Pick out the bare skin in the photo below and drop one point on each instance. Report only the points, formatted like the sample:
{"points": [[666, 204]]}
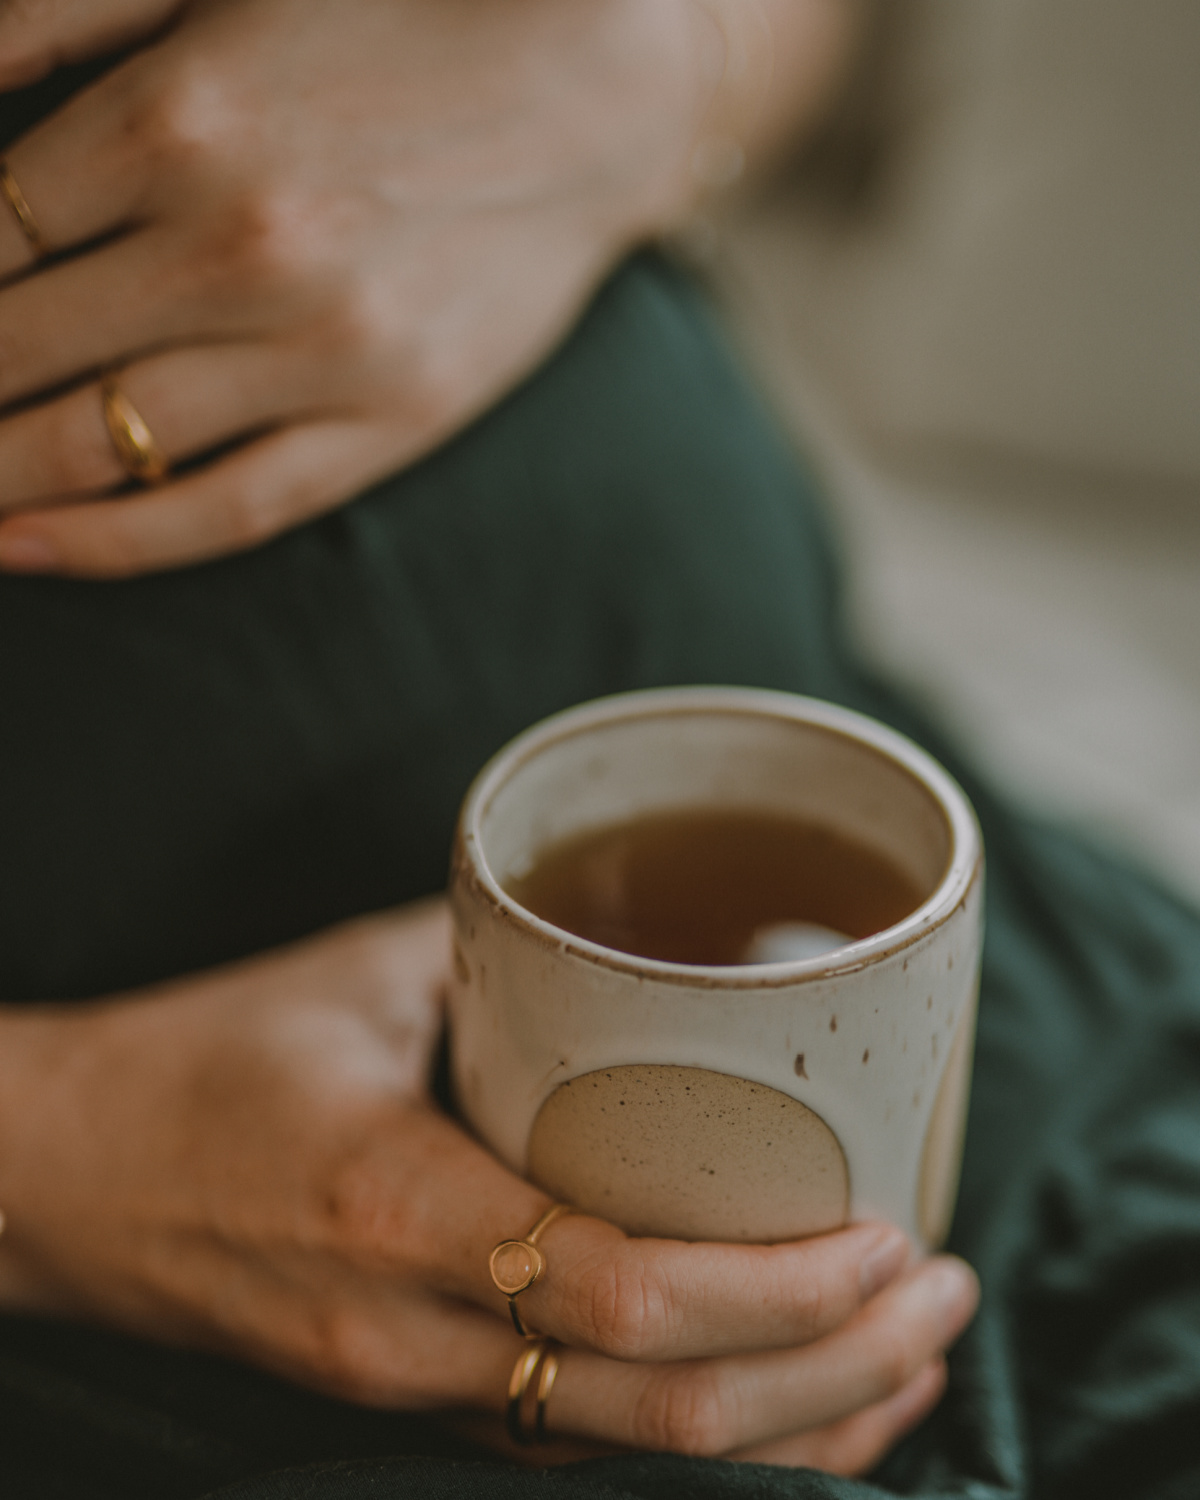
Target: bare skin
{"points": [[331, 232], [249, 1161]]}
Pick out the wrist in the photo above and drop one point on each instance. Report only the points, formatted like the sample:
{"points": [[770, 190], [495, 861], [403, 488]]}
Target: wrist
{"points": [[40, 1049]]}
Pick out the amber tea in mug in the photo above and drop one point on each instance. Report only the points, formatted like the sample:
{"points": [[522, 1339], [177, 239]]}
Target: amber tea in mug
{"points": [[716, 886]]}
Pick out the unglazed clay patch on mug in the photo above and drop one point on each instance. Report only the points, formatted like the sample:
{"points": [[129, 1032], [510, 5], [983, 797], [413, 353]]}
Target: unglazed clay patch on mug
{"points": [[689, 1154]]}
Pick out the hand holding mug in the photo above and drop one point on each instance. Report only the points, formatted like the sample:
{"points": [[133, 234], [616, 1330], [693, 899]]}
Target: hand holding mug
{"points": [[270, 1178]]}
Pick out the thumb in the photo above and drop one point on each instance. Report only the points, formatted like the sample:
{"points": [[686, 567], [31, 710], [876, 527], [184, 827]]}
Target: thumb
{"points": [[37, 36]]}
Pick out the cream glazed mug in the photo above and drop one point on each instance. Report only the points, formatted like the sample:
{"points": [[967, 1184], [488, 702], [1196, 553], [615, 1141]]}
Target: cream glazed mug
{"points": [[755, 1103]]}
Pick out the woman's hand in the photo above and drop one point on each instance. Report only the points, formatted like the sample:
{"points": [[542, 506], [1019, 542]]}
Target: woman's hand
{"points": [[315, 237], [326, 231], [249, 1161]]}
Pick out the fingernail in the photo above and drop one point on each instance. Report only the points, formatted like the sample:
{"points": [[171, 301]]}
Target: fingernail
{"points": [[27, 554], [954, 1288], [883, 1262]]}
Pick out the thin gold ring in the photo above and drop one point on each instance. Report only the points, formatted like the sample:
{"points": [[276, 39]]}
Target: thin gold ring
{"points": [[516, 1264], [519, 1382], [16, 200], [546, 1379], [141, 456]]}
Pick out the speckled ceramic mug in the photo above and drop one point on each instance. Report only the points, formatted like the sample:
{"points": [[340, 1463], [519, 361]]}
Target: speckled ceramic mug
{"points": [[756, 1103]]}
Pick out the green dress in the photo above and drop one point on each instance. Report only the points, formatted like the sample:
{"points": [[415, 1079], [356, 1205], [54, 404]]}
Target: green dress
{"points": [[199, 765]]}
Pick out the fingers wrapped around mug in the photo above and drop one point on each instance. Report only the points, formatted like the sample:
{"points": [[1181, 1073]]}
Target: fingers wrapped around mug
{"points": [[839, 1399], [699, 1348], [745, 1402], [863, 1362], [627, 1298]]}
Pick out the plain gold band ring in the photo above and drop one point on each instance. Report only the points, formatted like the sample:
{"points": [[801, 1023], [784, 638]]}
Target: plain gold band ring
{"points": [[30, 227], [516, 1264], [539, 1358], [140, 455]]}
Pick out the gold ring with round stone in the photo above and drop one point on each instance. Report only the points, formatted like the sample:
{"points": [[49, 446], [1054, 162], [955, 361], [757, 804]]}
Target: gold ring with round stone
{"points": [[516, 1264], [30, 227], [141, 456], [526, 1367]]}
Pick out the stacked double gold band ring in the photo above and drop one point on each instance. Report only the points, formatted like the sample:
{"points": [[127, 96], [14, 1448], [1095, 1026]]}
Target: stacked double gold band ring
{"points": [[515, 1266], [539, 1359]]}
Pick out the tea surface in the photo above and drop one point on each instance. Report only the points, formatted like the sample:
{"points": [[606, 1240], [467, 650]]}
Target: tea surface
{"points": [[713, 886]]}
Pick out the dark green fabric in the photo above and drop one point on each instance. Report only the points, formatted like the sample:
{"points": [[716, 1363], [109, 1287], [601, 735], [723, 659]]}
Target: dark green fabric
{"points": [[198, 765]]}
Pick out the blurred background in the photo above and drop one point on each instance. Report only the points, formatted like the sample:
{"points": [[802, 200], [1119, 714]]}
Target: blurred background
{"points": [[976, 300]]}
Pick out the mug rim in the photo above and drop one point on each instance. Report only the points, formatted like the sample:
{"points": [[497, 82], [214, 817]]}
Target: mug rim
{"points": [[963, 867]]}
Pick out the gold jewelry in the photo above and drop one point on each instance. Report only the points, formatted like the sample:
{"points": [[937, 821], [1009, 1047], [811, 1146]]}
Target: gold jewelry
{"points": [[549, 1374], [518, 1383], [516, 1264], [30, 227], [142, 457]]}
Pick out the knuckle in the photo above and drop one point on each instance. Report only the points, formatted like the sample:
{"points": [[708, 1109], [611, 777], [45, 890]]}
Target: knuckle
{"points": [[352, 323], [182, 117], [353, 1206], [895, 1363], [367, 336], [261, 245], [340, 1352], [685, 1409], [621, 1308], [335, 1349]]}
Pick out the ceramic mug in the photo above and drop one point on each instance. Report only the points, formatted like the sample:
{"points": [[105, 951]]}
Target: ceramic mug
{"points": [[757, 1102]]}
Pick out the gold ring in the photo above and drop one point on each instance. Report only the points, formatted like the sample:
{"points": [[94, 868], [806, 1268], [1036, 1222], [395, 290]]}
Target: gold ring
{"points": [[30, 227], [143, 459], [518, 1383], [516, 1264], [545, 1385]]}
